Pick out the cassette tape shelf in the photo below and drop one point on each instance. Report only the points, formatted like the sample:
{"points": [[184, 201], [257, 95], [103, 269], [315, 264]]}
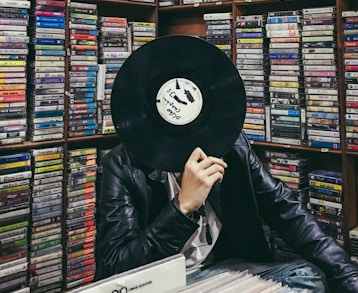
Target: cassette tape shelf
{"points": [[55, 124], [56, 79]]}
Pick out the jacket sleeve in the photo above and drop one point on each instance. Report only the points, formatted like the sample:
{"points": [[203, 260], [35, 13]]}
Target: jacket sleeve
{"points": [[122, 244], [297, 227]]}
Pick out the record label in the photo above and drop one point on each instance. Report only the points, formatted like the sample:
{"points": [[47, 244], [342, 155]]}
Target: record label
{"points": [[174, 94], [179, 101]]}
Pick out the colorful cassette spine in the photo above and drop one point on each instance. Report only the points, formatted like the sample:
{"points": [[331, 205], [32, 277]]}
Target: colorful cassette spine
{"points": [[14, 219], [46, 210]]}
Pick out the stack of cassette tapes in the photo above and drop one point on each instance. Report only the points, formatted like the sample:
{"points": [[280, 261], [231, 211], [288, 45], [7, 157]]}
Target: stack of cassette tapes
{"points": [[251, 62], [350, 31], [326, 202], [83, 69], [114, 49], [164, 3], [184, 2], [292, 169], [320, 72], [14, 42], [15, 174], [46, 245], [144, 1], [219, 31], [80, 224], [286, 89], [141, 32], [46, 80], [353, 241]]}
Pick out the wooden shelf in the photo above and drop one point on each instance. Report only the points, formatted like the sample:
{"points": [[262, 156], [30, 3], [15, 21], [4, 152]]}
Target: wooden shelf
{"points": [[250, 2], [120, 2], [197, 6], [49, 143], [31, 145], [92, 138], [295, 147], [188, 19]]}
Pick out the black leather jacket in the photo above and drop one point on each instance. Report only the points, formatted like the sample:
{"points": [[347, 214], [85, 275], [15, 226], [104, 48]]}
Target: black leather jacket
{"points": [[137, 223]]}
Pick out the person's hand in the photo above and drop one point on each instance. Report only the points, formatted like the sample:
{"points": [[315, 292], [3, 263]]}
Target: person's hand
{"points": [[200, 173]]}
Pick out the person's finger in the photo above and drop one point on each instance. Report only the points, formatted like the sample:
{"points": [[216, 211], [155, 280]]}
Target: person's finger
{"points": [[196, 156], [215, 177], [212, 161], [214, 169], [199, 154]]}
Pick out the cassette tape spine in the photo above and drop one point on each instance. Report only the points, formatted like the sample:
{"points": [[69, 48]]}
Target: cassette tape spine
{"points": [[15, 193], [84, 48], [219, 31], [286, 103], [80, 209], [251, 62], [326, 201], [14, 50], [293, 169], [46, 72], [115, 47], [46, 237], [320, 71], [350, 56]]}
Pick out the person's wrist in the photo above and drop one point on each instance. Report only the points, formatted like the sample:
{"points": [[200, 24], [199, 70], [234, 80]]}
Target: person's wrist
{"points": [[184, 208], [193, 215]]}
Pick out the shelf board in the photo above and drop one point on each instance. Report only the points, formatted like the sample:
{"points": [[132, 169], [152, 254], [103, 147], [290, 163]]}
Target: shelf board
{"points": [[92, 137], [121, 2], [199, 6], [295, 147], [249, 2], [49, 143], [31, 145], [131, 3], [28, 144]]}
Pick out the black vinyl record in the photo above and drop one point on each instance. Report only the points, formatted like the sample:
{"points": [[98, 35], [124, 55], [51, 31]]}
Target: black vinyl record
{"points": [[174, 94]]}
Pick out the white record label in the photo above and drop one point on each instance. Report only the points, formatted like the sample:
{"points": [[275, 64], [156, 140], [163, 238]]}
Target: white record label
{"points": [[179, 101]]}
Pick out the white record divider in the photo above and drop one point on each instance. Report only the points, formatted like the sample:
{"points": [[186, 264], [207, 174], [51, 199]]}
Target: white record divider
{"points": [[166, 275]]}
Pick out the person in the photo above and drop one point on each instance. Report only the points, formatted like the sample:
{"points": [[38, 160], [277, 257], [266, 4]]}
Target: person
{"points": [[212, 212]]}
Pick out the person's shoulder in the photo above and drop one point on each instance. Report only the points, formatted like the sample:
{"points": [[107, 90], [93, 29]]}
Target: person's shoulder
{"points": [[240, 148], [118, 150], [117, 154], [242, 140]]}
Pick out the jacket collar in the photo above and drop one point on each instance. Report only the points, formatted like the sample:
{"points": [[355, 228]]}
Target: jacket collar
{"points": [[157, 175], [153, 174]]}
